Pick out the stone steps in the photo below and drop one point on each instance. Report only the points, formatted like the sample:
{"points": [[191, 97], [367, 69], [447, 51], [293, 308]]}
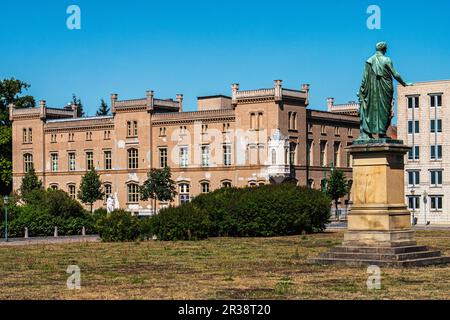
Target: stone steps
{"points": [[407, 256], [406, 263]]}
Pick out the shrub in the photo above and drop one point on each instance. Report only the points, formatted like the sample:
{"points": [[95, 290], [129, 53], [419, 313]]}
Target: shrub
{"points": [[270, 210], [119, 225], [186, 222]]}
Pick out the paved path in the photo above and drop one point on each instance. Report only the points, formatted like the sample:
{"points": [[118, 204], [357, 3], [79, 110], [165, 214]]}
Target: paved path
{"points": [[48, 240]]}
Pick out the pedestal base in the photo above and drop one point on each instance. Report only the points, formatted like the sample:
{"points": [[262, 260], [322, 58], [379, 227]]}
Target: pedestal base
{"points": [[379, 238]]}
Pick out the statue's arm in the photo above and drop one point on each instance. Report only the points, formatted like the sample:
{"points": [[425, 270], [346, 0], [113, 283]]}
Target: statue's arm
{"points": [[396, 75]]}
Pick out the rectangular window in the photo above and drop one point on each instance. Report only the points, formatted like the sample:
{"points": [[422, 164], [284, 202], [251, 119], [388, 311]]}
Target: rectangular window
{"points": [[336, 154], [24, 135], [413, 202], [30, 135], [132, 129], [434, 127], [414, 154], [184, 193], [184, 157], [436, 152], [133, 158], [413, 102], [72, 191], [413, 126], [436, 202], [205, 156], [413, 178], [89, 160], [108, 190], [107, 155], [71, 157], [252, 121], [133, 193], [54, 158], [162, 157], [436, 100], [323, 153], [227, 155], [436, 177], [27, 162], [310, 151]]}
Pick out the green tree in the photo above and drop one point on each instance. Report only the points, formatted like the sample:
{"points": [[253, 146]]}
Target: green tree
{"points": [[159, 186], [76, 101], [10, 93], [30, 182], [91, 188], [103, 109], [337, 186]]}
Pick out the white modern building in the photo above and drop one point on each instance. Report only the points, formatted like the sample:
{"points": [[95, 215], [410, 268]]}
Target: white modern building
{"points": [[423, 115]]}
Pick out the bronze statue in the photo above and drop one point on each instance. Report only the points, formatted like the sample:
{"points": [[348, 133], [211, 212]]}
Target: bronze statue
{"points": [[376, 94]]}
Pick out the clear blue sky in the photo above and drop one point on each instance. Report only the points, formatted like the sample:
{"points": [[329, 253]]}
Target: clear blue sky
{"points": [[201, 47]]}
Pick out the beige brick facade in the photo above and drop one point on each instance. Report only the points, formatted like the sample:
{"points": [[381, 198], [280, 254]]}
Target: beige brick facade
{"points": [[250, 138], [419, 106]]}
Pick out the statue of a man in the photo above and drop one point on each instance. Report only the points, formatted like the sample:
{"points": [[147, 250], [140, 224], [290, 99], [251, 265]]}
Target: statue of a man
{"points": [[376, 94], [110, 204]]}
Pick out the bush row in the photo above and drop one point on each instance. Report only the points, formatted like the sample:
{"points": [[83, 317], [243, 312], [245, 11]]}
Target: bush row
{"points": [[264, 211]]}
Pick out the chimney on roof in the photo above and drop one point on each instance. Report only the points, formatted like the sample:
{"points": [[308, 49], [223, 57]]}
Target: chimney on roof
{"points": [[330, 104], [150, 97], [278, 90], [305, 87], [180, 102]]}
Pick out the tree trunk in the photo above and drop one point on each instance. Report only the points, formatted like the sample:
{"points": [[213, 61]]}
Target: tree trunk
{"points": [[336, 206], [91, 206]]}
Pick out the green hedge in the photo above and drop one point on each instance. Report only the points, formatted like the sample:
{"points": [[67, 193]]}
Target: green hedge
{"points": [[44, 210], [264, 211], [186, 222], [119, 225]]}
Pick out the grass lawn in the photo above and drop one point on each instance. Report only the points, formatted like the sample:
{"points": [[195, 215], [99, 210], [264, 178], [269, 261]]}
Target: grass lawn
{"points": [[218, 268]]}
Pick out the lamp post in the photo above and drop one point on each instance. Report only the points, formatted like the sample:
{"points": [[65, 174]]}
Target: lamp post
{"points": [[413, 205], [5, 203], [425, 200]]}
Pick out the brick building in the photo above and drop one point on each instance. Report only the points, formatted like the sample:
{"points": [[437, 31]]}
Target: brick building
{"points": [[253, 137]]}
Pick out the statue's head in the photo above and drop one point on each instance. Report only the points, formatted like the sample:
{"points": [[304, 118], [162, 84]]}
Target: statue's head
{"points": [[382, 47]]}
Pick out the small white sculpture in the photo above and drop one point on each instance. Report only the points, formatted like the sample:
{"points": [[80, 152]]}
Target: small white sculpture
{"points": [[110, 204]]}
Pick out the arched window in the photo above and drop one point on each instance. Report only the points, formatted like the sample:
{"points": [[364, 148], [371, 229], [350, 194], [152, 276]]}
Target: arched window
{"points": [[226, 184], [27, 162], [184, 192], [133, 158], [274, 156], [310, 183], [108, 190], [72, 191], [253, 184], [133, 192], [205, 187], [292, 153], [54, 187]]}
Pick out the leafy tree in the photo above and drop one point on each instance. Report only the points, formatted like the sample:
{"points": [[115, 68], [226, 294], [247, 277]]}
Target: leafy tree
{"points": [[10, 93], [76, 101], [103, 109], [30, 182], [90, 188], [337, 186], [158, 186]]}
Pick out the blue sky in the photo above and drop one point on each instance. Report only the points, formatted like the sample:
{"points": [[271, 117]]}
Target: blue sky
{"points": [[201, 47]]}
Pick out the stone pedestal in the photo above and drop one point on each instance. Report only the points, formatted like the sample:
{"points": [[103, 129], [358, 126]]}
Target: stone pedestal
{"points": [[379, 225]]}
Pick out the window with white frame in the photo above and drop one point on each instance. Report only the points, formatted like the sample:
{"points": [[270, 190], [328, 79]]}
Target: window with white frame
{"points": [[133, 157], [54, 162], [227, 155], [413, 202], [205, 187], [133, 193], [184, 156], [89, 160], [71, 159], [435, 125], [27, 162], [414, 153], [436, 202], [413, 126], [107, 155], [108, 190], [436, 178], [205, 155], [413, 177], [436, 100], [436, 152], [72, 191], [162, 157], [413, 102], [183, 193]]}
